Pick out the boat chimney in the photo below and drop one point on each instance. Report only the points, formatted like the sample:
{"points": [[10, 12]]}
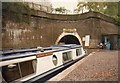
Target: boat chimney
{"points": [[40, 49]]}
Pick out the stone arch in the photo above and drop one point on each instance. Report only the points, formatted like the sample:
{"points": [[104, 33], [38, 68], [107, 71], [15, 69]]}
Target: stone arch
{"points": [[69, 38]]}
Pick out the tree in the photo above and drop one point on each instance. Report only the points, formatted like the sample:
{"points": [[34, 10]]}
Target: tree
{"points": [[109, 8], [61, 10], [19, 8], [91, 6], [81, 6]]}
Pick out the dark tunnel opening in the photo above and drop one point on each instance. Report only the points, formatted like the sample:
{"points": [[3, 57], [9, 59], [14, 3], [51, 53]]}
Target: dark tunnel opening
{"points": [[69, 39]]}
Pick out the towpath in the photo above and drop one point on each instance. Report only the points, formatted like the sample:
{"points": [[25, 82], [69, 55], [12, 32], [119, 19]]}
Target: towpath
{"points": [[97, 66]]}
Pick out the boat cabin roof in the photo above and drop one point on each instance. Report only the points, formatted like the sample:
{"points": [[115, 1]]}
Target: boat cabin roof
{"points": [[12, 54]]}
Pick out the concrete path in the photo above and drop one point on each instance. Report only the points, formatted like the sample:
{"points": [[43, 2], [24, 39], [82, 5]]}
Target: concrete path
{"points": [[97, 66]]}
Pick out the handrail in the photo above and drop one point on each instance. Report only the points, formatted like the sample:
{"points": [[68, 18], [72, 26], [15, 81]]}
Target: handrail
{"points": [[39, 7]]}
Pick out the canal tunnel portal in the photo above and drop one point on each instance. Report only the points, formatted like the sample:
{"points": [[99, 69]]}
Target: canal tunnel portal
{"points": [[69, 38]]}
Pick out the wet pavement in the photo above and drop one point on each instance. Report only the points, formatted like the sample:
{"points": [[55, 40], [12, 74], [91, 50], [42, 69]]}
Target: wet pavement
{"points": [[98, 66]]}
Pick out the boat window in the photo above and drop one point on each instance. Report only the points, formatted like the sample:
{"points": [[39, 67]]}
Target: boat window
{"points": [[26, 68], [66, 56], [11, 72], [54, 60], [78, 52], [15, 71]]}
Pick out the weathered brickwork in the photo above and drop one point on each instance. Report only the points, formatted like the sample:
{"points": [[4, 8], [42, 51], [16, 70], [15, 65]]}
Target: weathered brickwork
{"points": [[43, 29]]}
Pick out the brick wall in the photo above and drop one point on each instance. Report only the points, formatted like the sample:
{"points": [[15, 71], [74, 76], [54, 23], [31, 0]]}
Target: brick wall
{"points": [[43, 29]]}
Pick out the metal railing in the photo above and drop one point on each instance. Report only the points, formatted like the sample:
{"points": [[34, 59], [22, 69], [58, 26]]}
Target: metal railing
{"points": [[44, 8], [39, 7]]}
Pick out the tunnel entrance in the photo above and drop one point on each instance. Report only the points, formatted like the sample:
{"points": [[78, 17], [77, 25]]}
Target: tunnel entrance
{"points": [[69, 39]]}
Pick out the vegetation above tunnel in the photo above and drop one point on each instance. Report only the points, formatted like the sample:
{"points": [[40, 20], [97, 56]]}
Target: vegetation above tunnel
{"points": [[17, 9], [111, 9]]}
